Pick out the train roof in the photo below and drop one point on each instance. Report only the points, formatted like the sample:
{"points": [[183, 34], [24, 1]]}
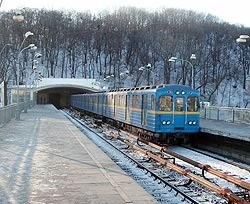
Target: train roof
{"points": [[154, 87]]}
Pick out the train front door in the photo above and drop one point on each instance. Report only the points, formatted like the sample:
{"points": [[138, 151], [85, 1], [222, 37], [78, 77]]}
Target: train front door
{"points": [[144, 109], [179, 112]]}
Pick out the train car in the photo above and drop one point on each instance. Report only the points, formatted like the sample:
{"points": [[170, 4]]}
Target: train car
{"points": [[160, 112]]}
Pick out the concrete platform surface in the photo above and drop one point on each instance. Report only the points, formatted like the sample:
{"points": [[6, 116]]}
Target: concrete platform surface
{"points": [[238, 131], [44, 158]]}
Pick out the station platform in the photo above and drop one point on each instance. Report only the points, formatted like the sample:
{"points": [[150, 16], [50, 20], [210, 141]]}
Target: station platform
{"points": [[238, 131], [46, 159]]}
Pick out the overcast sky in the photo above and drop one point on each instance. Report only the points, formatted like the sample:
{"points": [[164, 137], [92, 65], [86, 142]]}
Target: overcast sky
{"points": [[232, 11]]}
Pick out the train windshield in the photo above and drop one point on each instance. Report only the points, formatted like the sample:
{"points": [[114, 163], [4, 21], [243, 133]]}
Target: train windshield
{"points": [[166, 103], [192, 104], [179, 104]]}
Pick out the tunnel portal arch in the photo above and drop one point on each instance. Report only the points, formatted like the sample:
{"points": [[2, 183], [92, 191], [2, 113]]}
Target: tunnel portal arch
{"points": [[58, 92], [59, 97]]}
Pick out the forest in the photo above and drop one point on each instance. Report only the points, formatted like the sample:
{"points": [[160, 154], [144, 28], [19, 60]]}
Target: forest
{"points": [[130, 47]]}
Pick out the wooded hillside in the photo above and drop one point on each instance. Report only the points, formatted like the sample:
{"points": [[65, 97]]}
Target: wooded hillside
{"points": [[112, 44]]}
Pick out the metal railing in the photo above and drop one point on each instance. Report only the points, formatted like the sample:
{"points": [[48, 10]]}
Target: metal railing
{"points": [[228, 114], [9, 112]]}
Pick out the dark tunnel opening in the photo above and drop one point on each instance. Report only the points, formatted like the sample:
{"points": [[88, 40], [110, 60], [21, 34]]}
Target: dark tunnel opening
{"points": [[59, 97]]}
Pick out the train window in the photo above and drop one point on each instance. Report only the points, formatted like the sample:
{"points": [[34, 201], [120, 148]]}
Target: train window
{"points": [[99, 100], [166, 103], [122, 100], [179, 104], [117, 99], [135, 101], [110, 99], [106, 100], [152, 102], [192, 104]]}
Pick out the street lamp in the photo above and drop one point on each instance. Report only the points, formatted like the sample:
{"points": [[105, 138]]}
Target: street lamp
{"points": [[148, 68], [124, 73], [26, 35], [110, 78], [38, 55], [26, 76], [244, 39], [18, 17], [192, 57], [37, 77], [123, 79]]}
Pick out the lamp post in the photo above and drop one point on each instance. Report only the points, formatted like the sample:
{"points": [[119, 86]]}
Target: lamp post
{"points": [[33, 70], [244, 39], [124, 73], [38, 55], [148, 68], [192, 57], [123, 78], [108, 77], [26, 35], [18, 17], [35, 78]]}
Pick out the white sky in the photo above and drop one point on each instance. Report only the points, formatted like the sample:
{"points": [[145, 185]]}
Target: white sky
{"points": [[232, 11]]}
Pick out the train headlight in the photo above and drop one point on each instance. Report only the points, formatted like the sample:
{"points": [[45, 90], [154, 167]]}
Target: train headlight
{"points": [[183, 92], [166, 122], [177, 92], [192, 122]]}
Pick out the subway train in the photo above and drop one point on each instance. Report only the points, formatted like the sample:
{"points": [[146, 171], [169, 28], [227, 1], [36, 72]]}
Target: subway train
{"points": [[159, 113]]}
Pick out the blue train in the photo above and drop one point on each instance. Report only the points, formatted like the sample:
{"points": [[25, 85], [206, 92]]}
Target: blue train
{"points": [[160, 112]]}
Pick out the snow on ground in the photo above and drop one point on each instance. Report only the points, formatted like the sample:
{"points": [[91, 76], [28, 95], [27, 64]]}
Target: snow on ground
{"points": [[214, 163]]}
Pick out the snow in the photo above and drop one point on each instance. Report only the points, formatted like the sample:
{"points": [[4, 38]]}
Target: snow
{"points": [[164, 195], [161, 193], [214, 163], [91, 83]]}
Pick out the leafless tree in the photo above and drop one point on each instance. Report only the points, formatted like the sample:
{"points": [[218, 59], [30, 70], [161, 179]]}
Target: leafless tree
{"points": [[110, 43]]}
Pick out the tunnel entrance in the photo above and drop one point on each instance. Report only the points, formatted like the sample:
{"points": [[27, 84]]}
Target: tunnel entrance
{"points": [[55, 98], [59, 97]]}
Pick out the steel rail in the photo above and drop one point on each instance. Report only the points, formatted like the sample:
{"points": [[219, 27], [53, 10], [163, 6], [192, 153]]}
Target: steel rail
{"points": [[204, 167], [226, 192], [162, 180]]}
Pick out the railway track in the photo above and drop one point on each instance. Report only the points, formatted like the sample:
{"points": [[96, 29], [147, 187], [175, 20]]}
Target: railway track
{"points": [[218, 157], [189, 186]]}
